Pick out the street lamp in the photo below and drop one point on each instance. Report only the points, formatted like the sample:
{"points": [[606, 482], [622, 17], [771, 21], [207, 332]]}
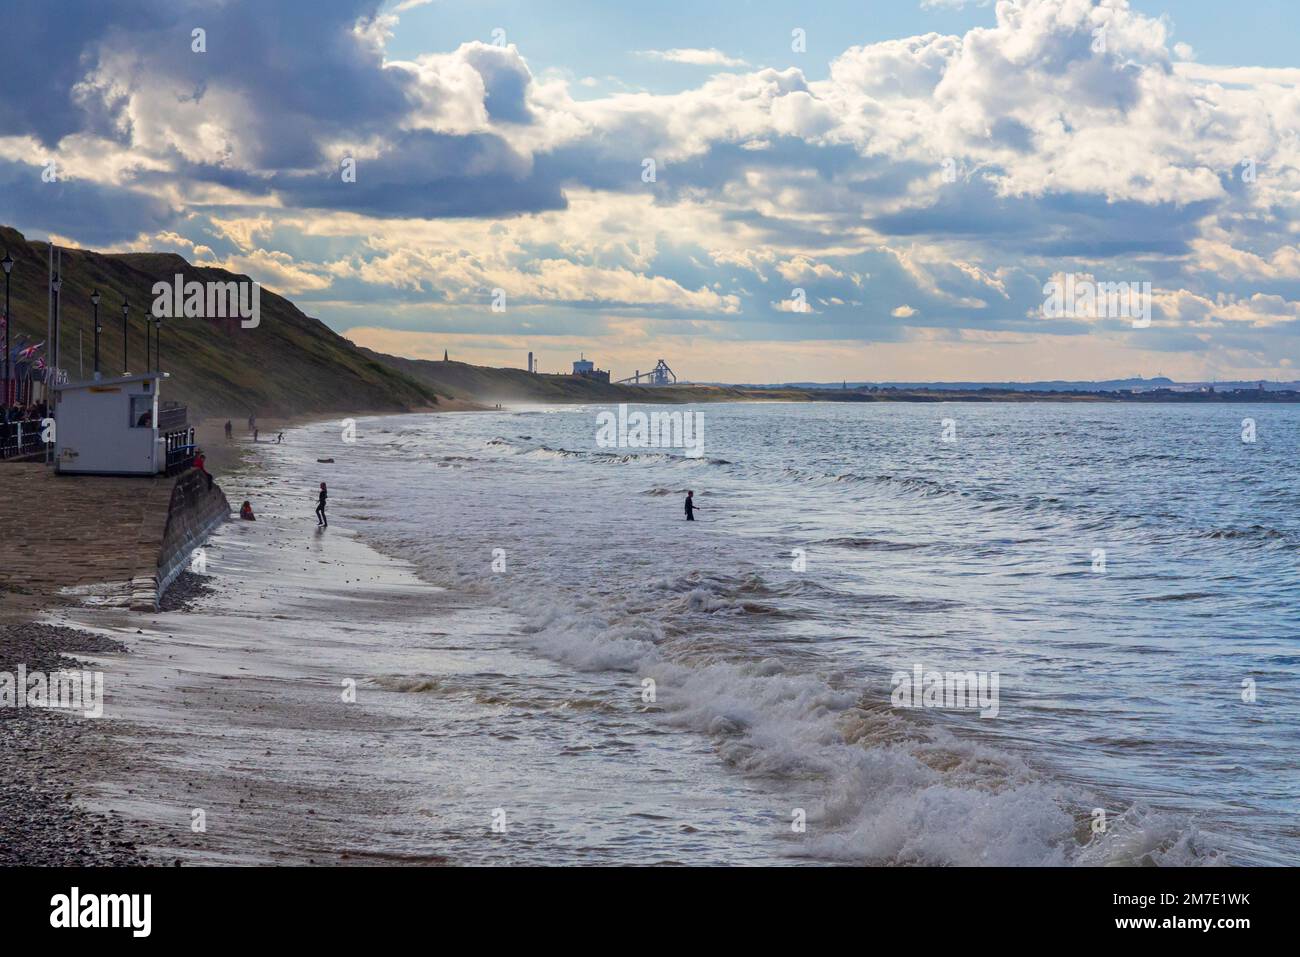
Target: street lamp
{"points": [[57, 286], [157, 343], [94, 298], [126, 308], [8, 264]]}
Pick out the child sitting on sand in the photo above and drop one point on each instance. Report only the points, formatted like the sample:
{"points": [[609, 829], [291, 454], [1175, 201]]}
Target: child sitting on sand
{"points": [[246, 511]]}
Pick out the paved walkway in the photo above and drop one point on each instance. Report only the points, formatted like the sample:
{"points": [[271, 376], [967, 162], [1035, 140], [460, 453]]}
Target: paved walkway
{"points": [[60, 531]]}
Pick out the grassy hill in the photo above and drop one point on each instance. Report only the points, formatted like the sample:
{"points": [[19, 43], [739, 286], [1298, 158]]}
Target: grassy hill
{"points": [[482, 384], [291, 364]]}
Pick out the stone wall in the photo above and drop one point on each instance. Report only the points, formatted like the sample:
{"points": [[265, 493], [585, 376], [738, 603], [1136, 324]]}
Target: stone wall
{"points": [[69, 533], [195, 510]]}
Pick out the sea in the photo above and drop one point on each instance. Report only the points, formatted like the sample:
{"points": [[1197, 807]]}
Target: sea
{"points": [[897, 633]]}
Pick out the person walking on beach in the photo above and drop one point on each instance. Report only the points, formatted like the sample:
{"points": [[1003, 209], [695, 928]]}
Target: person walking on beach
{"points": [[228, 430], [321, 520], [690, 506]]}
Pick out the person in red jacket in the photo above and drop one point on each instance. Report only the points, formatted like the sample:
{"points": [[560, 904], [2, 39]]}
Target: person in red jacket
{"points": [[200, 463]]}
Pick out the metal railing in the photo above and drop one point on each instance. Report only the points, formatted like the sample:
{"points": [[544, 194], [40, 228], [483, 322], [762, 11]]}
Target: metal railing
{"points": [[180, 448], [19, 438], [172, 418]]}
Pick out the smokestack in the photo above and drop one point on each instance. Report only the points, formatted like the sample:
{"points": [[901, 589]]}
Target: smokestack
{"points": [[530, 362]]}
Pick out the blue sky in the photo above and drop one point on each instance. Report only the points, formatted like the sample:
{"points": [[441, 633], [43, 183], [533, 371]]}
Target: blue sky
{"points": [[596, 37], [893, 201]]}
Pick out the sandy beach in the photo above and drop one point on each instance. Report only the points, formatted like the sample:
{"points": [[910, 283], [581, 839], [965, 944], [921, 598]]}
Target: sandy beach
{"points": [[257, 727], [228, 700], [307, 699]]}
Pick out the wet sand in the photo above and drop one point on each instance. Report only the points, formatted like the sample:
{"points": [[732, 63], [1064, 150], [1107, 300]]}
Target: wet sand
{"points": [[246, 750], [227, 701]]}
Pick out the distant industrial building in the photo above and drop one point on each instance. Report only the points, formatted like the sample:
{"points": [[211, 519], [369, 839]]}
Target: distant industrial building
{"points": [[659, 375], [585, 368]]}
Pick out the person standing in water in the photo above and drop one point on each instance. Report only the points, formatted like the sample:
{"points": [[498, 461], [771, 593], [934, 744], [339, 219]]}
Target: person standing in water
{"points": [[690, 506], [321, 520]]}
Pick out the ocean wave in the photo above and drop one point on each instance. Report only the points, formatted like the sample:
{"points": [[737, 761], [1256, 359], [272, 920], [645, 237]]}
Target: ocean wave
{"points": [[882, 785], [407, 684], [646, 457], [885, 787], [1259, 533], [878, 544]]}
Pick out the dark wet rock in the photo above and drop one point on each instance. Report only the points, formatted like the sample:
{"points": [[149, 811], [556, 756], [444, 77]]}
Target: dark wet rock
{"points": [[185, 591]]}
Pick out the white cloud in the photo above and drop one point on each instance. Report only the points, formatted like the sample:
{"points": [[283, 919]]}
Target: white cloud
{"points": [[694, 57], [774, 176]]}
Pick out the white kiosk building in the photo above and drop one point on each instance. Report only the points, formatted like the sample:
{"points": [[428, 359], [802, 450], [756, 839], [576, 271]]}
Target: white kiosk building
{"points": [[119, 426]]}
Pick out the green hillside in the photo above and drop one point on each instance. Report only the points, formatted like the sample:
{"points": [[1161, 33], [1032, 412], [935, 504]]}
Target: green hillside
{"points": [[290, 364]]}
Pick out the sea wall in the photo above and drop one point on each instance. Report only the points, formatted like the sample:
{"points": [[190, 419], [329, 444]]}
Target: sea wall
{"points": [[195, 510]]}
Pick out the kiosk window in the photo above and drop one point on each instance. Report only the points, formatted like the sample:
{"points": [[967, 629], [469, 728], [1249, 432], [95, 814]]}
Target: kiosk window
{"points": [[142, 412]]}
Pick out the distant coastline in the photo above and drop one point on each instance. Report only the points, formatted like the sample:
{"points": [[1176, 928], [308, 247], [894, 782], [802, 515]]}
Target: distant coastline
{"points": [[1023, 395], [487, 386]]}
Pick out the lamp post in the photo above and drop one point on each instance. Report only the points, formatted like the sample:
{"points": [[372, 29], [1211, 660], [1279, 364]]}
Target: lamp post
{"points": [[148, 364], [126, 309], [57, 286], [8, 264], [94, 298], [157, 343]]}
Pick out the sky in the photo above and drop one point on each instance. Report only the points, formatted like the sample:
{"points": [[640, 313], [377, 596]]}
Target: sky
{"points": [[753, 191]]}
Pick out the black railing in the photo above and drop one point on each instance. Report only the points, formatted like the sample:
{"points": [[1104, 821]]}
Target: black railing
{"points": [[20, 438], [180, 449]]}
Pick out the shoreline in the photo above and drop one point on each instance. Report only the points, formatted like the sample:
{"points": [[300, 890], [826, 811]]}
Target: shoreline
{"points": [[234, 709], [230, 701], [72, 791], [48, 756]]}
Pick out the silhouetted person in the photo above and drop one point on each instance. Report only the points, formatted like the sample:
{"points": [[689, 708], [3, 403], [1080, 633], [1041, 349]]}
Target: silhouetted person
{"points": [[321, 520], [690, 506], [228, 430]]}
